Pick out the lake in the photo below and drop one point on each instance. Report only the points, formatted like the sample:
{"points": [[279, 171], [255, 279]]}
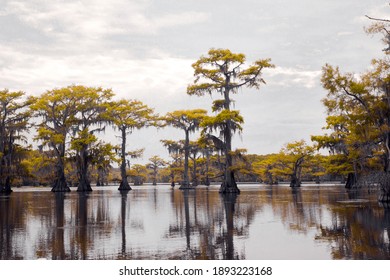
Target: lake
{"points": [[158, 222]]}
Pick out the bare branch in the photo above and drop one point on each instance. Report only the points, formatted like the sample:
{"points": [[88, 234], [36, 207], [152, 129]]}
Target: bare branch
{"points": [[378, 19]]}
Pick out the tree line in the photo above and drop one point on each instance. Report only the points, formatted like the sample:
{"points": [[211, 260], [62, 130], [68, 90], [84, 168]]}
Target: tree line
{"points": [[68, 121]]}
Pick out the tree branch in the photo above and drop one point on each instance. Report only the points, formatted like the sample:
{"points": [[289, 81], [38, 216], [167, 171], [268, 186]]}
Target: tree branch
{"points": [[377, 19], [249, 80], [356, 98]]}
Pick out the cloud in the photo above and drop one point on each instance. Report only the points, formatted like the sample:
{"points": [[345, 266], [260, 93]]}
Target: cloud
{"points": [[292, 77], [184, 18], [91, 19], [164, 75], [144, 49], [344, 33], [79, 51]]}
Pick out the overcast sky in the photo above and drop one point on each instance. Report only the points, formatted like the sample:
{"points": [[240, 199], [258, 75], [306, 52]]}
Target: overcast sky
{"points": [[143, 49]]}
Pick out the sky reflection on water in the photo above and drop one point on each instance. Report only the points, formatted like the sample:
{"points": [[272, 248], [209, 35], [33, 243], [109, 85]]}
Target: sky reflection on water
{"points": [[263, 222]]}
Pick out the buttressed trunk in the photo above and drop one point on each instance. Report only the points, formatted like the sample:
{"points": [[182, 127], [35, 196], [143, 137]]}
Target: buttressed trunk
{"points": [[229, 184], [7, 185], [296, 175], [84, 184], [59, 184], [295, 181], [5, 182]]}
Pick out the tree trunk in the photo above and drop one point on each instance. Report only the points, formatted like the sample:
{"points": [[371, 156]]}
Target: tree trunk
{"points": [[138, 181], [186, 182], [172, 179], [100, 176], [384, 194], [384, 197], [155, 176], [229, 184], [3, 160], [6, 178], [124, 185], [207, 180], [270, 178], [7, 186], [296, 175], [295, 182], [7, 167], [351, 181], [387, 154], [59, 184], [194, 177], [84, 184]]}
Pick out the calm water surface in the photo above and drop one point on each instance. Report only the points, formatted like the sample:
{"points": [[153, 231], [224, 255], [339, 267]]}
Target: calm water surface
{"points": [[263, 222]]}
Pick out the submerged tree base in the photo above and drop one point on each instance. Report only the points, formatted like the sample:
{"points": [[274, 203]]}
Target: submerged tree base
{"points": [[185, 186], [5, 191], [84, 187], [6, 186], [351, 181], [384, 197], [189, 187], [88, 189], [124, 186], [229, 189], [100, 184], [60, 186], [295, 181], [295, 185]]}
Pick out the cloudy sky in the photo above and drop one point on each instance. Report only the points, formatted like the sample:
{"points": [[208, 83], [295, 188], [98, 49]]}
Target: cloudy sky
{"points": [[143, 49]]}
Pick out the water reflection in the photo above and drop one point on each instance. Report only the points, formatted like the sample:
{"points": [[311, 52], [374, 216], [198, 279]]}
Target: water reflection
{"points": [[358, 232], [229, 201], [123, 253], [207, 221], [6, 227], [82, 231], [58, 238], [314, 222]]}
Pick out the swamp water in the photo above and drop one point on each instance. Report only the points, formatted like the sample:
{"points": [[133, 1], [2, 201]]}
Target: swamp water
{"points": [[158, 222]]}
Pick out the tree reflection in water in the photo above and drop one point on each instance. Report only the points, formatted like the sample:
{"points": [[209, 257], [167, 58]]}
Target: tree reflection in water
{"points": [[81, 234], [58, 239], [168, 223], [209, 222], [358, 232], [124, 253], [6, 228], [229, 201]]}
